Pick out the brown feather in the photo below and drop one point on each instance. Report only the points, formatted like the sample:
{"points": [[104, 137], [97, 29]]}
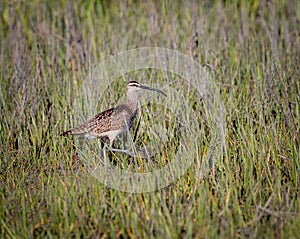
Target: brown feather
{"points": [[108, 120]]}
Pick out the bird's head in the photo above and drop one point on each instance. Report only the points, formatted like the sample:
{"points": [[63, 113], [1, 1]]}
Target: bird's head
{"points": [[134, 86]]}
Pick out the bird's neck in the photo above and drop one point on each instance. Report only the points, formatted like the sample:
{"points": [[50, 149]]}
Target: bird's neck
{"points": [[132, 100]]}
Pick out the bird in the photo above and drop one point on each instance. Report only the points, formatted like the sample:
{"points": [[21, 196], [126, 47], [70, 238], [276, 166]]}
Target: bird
{"points": [[114, 121]]}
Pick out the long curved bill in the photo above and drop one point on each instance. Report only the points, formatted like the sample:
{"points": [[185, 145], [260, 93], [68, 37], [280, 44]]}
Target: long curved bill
{"points": [[153, 89]]}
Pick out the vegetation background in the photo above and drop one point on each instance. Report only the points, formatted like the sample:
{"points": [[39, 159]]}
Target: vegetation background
{"points": [[47, 49]]}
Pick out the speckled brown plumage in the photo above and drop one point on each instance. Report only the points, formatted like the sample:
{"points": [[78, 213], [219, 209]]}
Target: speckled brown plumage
{"points": [[116, 118]]}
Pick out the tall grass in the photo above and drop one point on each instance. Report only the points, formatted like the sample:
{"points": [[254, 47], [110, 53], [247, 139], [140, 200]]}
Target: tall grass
{"points": [[252, 48]]}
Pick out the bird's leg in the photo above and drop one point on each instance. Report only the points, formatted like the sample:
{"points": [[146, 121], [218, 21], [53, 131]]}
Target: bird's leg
{"points": [[120, 150], [104, 153]]}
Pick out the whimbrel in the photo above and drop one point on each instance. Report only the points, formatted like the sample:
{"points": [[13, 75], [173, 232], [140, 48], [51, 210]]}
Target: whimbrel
{"points": [[112, 122]]}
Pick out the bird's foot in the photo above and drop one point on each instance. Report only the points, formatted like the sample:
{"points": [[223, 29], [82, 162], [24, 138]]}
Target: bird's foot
{"points": [[128, 152]]}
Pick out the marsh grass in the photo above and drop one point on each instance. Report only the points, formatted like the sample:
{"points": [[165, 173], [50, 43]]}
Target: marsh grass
{"points": [[252, 49]]}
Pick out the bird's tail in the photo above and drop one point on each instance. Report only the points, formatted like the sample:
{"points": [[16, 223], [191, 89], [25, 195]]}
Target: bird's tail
{"points": [[69, 132]]}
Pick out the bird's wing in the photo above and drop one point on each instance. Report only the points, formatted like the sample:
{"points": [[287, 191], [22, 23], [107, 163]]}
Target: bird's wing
{"points": [[108, 120]]}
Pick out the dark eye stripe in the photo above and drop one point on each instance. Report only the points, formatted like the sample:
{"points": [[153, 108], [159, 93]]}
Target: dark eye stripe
{"points": [[134, 83]]}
